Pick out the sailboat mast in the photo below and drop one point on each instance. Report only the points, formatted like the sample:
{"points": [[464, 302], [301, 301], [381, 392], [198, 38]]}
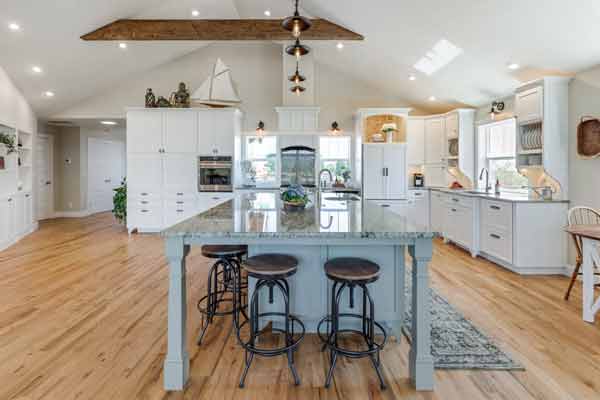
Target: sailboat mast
{"points": [[212, 79]]}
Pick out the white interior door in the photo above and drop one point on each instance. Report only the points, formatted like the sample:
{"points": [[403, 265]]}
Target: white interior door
{"points": [[105, 171], [45, 184]]}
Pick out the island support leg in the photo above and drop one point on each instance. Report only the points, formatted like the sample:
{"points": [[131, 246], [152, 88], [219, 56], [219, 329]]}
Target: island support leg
{"points": [[421, 361], [177, 364]]}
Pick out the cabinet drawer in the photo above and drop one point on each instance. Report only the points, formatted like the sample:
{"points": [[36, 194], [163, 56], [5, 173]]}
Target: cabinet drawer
{"points": [[181, 193], [418, 194], [497, 214], [147, 216], [463, 201], [497, 243], [149, 195]]}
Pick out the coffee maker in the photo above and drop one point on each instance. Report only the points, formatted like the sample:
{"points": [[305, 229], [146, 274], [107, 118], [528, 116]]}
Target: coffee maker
{"points": [[418, 180]]}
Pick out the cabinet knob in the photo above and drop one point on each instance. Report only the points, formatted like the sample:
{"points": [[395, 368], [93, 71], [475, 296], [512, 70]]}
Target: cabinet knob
{"points": [[495, 207], [493, 235]]}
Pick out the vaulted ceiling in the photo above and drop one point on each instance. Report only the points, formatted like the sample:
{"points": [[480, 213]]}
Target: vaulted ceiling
{"points": [[543, 36]]}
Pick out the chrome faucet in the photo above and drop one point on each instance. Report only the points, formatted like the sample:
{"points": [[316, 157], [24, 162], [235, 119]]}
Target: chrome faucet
{"points": [[322, 182], [488, 187]]}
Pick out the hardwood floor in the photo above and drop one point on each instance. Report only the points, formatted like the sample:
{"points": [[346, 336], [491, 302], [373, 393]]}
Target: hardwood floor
{"points": [[83, 316]]}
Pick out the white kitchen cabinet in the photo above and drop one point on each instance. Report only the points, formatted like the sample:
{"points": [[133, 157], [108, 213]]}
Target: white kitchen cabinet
{"points": [[434, 140], [28, 215], [7, 219], [144, 131], [145, 175], [435, 175], [19, 202], [207, 201], [179, 209], [461, 222], [216, 132], [420, 199], [437, 202], [415, 140], [451, 126], [181, 131], [529, 104], [384, 171], [180, 175], [298, 119]]}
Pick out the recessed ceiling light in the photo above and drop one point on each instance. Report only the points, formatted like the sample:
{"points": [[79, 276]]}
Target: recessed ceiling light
{"points": [[108, 122], [513, 66], [14, 26], [49, 94], [412, 78], [36, 69], [195, 13], [267, 13], [340, 46], [442, 54], [123, 45], [432, 98]]}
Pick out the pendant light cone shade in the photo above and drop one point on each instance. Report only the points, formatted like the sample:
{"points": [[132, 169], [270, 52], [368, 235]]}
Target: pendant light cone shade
{"points": [[297, 78], [296, 23], [297, 49], [297, 89]]}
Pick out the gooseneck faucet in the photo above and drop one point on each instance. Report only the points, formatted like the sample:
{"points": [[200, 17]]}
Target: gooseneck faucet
{"points": [[322, 182], [488, 187]]}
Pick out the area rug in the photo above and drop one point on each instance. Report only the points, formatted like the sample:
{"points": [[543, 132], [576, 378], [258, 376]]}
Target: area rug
{"points": [[455, 342]]}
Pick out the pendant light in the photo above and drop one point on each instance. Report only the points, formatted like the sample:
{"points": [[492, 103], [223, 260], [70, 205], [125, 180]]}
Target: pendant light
{"points": [[296, 23], [297, 49], [297, 89], [335, 129], [297, 78], [260, 130]]}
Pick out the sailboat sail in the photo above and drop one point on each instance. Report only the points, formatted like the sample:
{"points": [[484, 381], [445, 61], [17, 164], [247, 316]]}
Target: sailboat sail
{"points": [[219, 88]]}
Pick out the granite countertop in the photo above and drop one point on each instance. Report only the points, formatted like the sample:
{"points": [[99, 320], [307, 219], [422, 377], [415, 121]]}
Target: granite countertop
{"points": [[260, 214], [503, 196]]}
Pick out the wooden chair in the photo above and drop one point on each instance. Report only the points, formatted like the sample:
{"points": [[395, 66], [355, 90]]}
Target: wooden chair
{"points": [[580, 216]]}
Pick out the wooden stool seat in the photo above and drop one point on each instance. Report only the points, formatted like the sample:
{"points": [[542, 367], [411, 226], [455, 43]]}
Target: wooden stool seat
{"points": [[351, 269], [266, 265], [223, 250]]}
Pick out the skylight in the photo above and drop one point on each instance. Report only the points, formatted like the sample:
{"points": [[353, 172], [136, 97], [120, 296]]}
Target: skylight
{"points": [[442, 54]]}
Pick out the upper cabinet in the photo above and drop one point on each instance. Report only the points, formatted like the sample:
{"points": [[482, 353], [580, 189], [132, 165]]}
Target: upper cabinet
{"points": [[434, 140], [415, 140], [298, 119], [183, 131], [529, 104]]}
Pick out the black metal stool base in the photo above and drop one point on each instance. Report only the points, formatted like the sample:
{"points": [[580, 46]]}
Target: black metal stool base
{"points": [[222, 289], [369, 325]]}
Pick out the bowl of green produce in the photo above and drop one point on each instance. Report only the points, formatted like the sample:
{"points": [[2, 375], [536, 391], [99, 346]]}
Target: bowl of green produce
{"points": [[294, 198]]}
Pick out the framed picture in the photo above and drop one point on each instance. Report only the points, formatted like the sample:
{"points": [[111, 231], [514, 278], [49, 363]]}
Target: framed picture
{"points": [[2, 165]]}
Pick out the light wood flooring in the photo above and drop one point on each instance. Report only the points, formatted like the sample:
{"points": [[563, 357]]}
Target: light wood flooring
{"points": [[83, 316]]}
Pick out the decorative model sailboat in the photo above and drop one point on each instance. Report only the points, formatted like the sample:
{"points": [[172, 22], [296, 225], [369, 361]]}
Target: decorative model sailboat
{"points": [[219, 89]]}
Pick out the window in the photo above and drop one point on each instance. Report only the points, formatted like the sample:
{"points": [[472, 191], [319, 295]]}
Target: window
{"points": [[334, 155], [261, 160], [497, 149]]}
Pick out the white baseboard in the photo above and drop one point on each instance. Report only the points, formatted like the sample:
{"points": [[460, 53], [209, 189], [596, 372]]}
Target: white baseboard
{"points": [[72, 214], [34, 227]]}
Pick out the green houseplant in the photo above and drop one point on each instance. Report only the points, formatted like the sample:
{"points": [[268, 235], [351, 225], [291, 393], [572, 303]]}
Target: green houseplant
{"points": [[8, 140], [120, 202]]}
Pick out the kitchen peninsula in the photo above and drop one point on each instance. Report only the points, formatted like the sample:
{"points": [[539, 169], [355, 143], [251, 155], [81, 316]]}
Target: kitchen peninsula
{"points": [[330, 226]]}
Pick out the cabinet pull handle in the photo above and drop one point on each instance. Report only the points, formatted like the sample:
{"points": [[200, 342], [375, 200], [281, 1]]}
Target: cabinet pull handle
{"points": [[454, 210], [495, 207], [144, 194], [180, 211], [385, 205], [180, 202], [144, 202], [144, 211], [179, 194], [455, 200], [493, 235], [216, 198], [9, 200]]}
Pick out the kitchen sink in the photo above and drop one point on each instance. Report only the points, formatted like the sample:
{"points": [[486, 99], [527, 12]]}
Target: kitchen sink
{"points": [[343, 197]]}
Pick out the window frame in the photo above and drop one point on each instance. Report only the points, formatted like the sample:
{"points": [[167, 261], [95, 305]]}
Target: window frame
{"points": [[275, 181], [349, 158]]}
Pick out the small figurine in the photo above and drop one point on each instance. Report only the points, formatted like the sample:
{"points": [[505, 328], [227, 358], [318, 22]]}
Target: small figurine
{"points": [[181, 98], [162, 102], [150, 99]]}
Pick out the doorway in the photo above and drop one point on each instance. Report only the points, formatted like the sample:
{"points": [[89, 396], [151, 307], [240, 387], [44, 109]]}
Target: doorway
{"points": [[44, 164], [106, 170]]}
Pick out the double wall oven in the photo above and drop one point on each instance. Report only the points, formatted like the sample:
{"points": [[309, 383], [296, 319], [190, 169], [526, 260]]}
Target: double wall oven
{"points": [[215, 174]]}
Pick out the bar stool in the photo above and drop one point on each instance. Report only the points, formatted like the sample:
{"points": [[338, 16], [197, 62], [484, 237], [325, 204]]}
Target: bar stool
{"points": [[270, 270], [221, 283], [350, 273]]}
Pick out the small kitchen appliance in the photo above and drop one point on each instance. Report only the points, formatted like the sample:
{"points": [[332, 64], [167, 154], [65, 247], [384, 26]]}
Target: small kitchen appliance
{"points": [[418, 180]]}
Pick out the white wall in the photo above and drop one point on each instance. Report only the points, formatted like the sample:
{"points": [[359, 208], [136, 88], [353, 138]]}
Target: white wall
{"points": [[14, 108], [257, 70]]}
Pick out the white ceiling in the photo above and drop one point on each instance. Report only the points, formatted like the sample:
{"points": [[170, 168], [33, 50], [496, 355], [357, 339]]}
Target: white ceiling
{"points": [[541, 35]]}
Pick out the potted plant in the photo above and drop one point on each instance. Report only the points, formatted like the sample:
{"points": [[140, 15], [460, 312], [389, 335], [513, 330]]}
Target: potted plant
{"points": [[8, 141], [120, 202]]}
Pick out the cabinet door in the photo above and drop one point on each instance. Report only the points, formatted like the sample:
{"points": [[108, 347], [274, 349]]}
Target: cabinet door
{"points": [[180, 175], [206, 133], [434, 138], [144, 131], [435, 175], [415, 140], [451, 126], [373, 172], [6, 222], [224, 133], [145, 175], [28, 211], [181, 132], [529, 104], [394, 161], [438, 209], [19, 202]]}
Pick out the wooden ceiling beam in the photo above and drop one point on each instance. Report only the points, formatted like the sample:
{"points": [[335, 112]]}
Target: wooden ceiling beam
{"points": [[215, 30]]}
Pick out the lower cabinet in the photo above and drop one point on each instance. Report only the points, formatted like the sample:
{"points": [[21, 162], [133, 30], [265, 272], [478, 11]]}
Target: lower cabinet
{"points": [[461, 222], [16, 218]]}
